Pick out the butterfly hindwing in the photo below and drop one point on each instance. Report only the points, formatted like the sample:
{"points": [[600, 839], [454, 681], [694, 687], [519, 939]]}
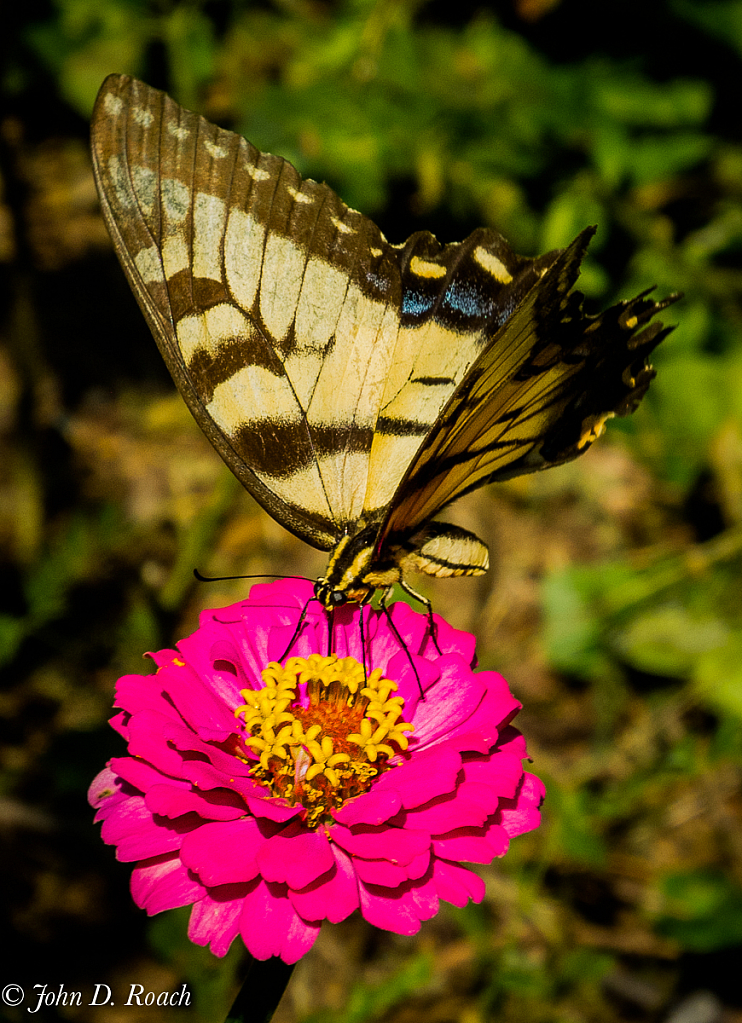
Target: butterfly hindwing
{"points": [[538, 395]]}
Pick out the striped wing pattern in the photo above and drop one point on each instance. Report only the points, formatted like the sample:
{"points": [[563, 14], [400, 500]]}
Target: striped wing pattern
{"points": [[354, 387], [314, 355]]}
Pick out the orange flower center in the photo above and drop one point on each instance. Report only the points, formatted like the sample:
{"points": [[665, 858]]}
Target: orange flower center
{"points": [[322, 748]]}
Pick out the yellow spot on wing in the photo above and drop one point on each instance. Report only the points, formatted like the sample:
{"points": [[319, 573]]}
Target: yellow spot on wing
{"points": [[344, 228], [423, 268], [113, 104], [322, 292], [490, 262], [300, 486], [149, 265], [142, 116], [243, 255], [145, 183], [298, 196], [175, 255], [280, 283], [215, 151], [177, 131], [238, 401], [176, 200], [208, 226], [120, 183], [391, 457], [206, 331]]}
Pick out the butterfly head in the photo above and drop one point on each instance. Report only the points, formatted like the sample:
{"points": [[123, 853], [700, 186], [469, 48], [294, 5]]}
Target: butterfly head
{"points": [[331, 597], [354, 571]]}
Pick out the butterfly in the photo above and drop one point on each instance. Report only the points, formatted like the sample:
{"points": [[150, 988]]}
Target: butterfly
{"points": [[354, 387]]}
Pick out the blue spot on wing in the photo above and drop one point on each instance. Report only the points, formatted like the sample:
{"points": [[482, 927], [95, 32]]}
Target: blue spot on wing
{"points": [[466, 299], [416, 303]]}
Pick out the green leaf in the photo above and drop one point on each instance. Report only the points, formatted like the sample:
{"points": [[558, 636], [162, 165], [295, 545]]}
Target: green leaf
{"points": [[633, 100], [717, 676], [702, 910], [667, 639]]}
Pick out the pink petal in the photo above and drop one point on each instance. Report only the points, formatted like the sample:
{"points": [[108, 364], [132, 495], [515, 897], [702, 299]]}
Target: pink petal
{"points": [[373, 807], [523, 813], [450, 703], [172, 801], [206, 776], [471, 805], [452, 640], [501, 772], [163, 883], [491, 718], [151, 736], [333, 896], [395, 913], [105, 788], [269, 808], [390, 875], [224, 853], [421, 778], [425, 898], [296, 856], [142, 775], [400, 909], [216, 919], [135, 693], [398, 845], [270, 926], [379, 872], [138, 836], [511, 741], [472, 845], [206, 707], [457, 885]]}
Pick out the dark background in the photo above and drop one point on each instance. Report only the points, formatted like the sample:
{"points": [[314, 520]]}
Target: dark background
{"points": [[613, 604]]}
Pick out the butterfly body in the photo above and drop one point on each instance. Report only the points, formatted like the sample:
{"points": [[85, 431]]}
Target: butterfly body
{"points": [[354, 387]]}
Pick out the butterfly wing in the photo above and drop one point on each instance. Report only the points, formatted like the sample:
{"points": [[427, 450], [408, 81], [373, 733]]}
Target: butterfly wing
{"points": [[351, 385], [244, 274], [314, 355], [537, 396]]}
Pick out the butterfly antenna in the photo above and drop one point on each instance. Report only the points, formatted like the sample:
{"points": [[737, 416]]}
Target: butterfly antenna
{"points": [[231, 578], [432, 628], [402, 643]]}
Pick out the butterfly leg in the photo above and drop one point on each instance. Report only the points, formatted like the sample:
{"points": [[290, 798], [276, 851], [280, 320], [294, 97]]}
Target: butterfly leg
{"points": [[428, 611]]}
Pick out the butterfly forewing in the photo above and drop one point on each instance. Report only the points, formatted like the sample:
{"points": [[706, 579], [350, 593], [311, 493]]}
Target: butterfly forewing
{"points": [[297, 335]]}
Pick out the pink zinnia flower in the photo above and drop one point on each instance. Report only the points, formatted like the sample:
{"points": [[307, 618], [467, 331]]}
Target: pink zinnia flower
{"points": [[271, 798]]}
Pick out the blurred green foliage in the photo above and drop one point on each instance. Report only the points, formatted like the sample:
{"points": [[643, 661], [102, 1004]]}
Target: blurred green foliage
{"points": [[425, 116]]}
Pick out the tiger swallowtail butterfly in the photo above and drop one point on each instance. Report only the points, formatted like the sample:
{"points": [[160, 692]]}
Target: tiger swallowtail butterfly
{"points": [[354, 387]]}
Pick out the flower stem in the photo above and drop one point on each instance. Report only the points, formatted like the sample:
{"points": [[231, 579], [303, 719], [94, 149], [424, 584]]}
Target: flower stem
{"points": [[261, 991]]}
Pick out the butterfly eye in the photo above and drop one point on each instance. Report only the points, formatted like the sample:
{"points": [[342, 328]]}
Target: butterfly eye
{"points": [[338, 598]]}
